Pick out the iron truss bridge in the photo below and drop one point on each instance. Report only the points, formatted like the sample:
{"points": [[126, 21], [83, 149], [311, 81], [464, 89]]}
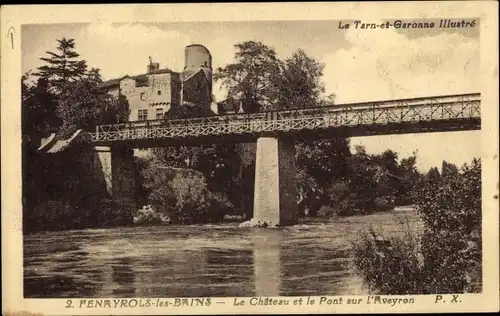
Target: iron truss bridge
{"points": [[418, 115]]}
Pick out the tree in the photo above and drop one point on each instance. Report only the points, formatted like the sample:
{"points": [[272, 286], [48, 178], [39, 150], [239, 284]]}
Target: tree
{"points": [[83, 106], [115, 110], [449, 169], [388, 177], [411, 180], [451, 212], [220, 165], [253, 77], [433, 176], [322, 163], [94, 75], [447, 258], [300, 84], [363, 186], [182, 194], [62, 67], [77, 101], [38, 108]]}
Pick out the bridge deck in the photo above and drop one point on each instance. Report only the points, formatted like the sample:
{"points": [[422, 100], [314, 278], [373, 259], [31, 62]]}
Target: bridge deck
{"points": [[419, 115]]}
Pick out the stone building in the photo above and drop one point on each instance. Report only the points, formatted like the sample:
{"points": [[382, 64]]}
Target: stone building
{"points": [[153, 94]]}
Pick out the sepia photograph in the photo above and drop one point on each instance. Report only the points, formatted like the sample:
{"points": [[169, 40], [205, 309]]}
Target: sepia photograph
{"points": [[181, 163]]}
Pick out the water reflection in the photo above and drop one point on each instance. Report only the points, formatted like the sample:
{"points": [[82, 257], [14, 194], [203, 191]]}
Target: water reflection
{"points": [[123, 276], [267, 261], [47, 276], [189, 261], [229, 271]]}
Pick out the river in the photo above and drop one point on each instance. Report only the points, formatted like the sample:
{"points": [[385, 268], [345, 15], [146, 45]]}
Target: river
{"points": [[311, 258]]}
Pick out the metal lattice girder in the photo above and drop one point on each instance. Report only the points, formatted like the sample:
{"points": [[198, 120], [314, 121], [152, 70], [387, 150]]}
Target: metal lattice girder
{"points": [[436, 110]]}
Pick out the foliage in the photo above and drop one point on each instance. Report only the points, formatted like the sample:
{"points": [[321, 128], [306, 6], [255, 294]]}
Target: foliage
{"points": [[447, 257], [389, 266], [51, 214], [67, 95], [220, 165], [300, 84], [38, 108], [320, 164], [451, 211], [94, 75], [149, 216], [362, 183], [269, 83], [62, 67], [62, 98], [82, 106], [410, 180], [253, 77], [183, 194], [353, 184]]}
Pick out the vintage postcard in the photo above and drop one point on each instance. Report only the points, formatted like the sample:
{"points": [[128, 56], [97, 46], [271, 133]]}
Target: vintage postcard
{"points": [[250, 158]]}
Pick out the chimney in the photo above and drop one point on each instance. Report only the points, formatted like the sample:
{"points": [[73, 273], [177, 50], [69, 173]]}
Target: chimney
{"points": [[152, 66]]}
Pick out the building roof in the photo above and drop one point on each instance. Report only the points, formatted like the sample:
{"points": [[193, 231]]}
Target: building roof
{"points": [[111, 83], [161, 71], [188, 74], [141, 79], [52, 146]]}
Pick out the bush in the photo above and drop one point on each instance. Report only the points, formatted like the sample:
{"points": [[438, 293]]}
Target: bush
{"points": [[327, 211], [451, 244], [149, 216], [447, 257], [220, 205], [184, 196], [384, 204], [389, 266]]}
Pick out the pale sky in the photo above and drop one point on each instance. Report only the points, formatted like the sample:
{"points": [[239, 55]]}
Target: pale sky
{"points": [[360, 65]]}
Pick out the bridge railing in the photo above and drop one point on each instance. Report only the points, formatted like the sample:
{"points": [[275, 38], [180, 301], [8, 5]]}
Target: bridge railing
{"points": [[435, 109]]}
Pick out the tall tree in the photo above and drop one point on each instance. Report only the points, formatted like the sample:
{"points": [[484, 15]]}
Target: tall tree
{"points": [[94, 75], [387, 177], [449, 169], [253, 76], [38, 108], [362, 184], [83, 106], [300, 85], [410, 182], [321, 164], [62, 67]]}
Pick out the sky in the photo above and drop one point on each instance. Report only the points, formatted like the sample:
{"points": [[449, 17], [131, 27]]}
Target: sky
{"points": [[360, 65]]}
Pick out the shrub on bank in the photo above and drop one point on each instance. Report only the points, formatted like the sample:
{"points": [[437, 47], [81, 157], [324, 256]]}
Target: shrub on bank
{"points": [[384, 204], [447, 257], [389, 265], [149, 216], [183, 195]]}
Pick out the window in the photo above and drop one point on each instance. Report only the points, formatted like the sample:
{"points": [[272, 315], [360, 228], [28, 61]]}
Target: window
{"points": [[159, 113], [159, 92], [143, 96], [142, 115]]}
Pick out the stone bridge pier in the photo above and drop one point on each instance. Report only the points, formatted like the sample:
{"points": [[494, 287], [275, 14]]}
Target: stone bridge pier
{"points": [[117, 165], [275, 193]]}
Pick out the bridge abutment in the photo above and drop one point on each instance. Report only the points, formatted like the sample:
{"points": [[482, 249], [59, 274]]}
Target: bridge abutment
{"points": [[117, 164], [275, 182]]}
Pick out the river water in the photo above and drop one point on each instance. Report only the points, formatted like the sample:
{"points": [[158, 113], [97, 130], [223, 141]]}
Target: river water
{"points": [[311, 258]]}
